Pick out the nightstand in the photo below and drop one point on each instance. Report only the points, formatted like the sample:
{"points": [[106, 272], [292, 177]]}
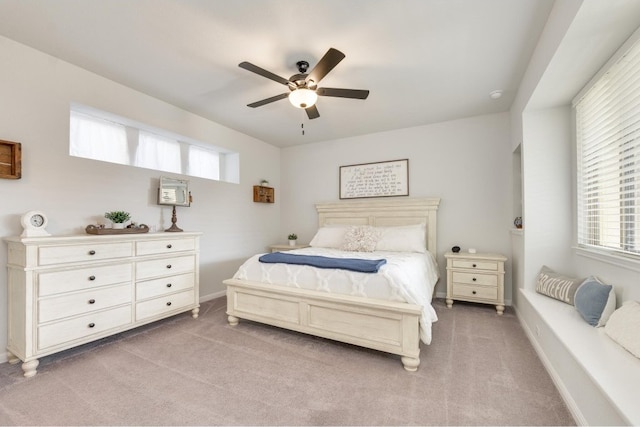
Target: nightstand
{"points": [[476, 278], [286, 247]]}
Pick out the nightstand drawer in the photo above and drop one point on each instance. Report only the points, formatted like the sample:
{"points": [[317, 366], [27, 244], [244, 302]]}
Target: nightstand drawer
{"points": [[475, 264], [475, 279], [467, 291]]}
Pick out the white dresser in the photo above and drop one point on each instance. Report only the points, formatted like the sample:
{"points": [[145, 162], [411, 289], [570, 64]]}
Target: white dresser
{"points": [[69, 290]]}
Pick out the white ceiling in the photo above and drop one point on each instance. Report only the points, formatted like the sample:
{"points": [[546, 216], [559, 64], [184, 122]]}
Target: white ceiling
{"points": [[424, 61]]}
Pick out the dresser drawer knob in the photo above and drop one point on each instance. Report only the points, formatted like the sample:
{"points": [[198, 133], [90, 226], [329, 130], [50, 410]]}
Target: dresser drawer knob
{"points": [[91, 325], [92, 252], [473, 292], [168, 285], [169, 303], [474, 266], [169, 246], [168, 265], [474, 279], [92, 301], [92, 278]]}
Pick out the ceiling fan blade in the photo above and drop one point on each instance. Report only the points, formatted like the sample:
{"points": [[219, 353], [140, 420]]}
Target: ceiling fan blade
{"points": [[326, 64], [312, 112], [343, 93], [264, 73], [268, 100]]}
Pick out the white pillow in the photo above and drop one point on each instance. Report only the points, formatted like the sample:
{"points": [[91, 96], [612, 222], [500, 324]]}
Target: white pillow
{"points": [[623, 327], [361, 239], [330, 236], [404, 238]]}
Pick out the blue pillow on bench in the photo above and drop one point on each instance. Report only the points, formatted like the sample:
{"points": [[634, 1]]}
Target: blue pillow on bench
{"points": [[595, 301]]}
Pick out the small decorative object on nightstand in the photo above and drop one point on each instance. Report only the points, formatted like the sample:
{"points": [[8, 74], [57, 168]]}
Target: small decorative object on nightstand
{"points": [[293, 238], [476, 277]]}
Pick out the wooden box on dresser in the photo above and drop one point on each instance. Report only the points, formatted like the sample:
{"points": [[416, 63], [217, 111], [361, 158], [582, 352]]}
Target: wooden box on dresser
{"points": [[70, 290], [477, 277]]}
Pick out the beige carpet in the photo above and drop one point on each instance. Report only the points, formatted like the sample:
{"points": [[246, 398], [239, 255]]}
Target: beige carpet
{"points": [[479, 370]]}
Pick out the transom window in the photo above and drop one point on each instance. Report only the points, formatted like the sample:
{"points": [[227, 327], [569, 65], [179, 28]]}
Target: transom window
{"points": [[102, 136]]}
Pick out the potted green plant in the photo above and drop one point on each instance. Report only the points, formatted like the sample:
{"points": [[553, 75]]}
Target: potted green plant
{"points": [[292, 239], [118, 218]]}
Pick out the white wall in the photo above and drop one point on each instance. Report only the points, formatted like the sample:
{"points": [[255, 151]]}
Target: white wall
{"points": [[467, 163], [547, 176], [34, 110]]}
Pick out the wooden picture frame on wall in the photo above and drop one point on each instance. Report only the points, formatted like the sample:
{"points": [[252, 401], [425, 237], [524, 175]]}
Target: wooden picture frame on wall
{"points": [[379, 179], [10, 160]]}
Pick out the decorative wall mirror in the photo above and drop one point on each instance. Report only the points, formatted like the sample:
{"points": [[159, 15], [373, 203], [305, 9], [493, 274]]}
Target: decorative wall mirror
{"points": [[174, 192]]}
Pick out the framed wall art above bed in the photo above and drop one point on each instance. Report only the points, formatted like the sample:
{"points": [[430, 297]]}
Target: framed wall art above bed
{"points": [[379, 179]]}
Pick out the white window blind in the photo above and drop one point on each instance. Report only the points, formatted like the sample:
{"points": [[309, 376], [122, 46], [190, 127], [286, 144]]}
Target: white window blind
{"points": [[608, 150]]}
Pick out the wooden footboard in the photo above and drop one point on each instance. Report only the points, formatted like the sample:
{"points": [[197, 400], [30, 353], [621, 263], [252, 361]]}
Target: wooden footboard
{"points": [[391, 327]]}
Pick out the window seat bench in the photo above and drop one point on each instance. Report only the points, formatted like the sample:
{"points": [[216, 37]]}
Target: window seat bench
{"points": [[598, 379]]}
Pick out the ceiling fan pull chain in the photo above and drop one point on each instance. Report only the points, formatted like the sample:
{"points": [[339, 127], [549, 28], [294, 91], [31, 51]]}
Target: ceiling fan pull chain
{"points": [[302, 126]]}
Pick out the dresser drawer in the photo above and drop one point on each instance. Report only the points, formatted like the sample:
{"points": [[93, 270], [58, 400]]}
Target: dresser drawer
{"points": [[165, 285], [164, 304], [59, 333], [471, 292], [73, 304], [49, 255], [475, 278], [165, 246], [83, 278], [165, 267], [475, 264]]}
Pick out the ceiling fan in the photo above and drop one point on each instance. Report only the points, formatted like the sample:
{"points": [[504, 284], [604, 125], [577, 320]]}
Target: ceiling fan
{"points": [[303, 88]]}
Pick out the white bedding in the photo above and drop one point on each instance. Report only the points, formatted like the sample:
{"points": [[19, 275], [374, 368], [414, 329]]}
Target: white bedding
{"points": [[406, 277]]}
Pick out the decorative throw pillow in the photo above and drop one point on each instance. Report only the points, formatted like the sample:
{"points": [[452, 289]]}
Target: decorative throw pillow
{"points": [[361, 239], [557, 286], [330, 236], [403, 238], [595, 301], [623, 327]]}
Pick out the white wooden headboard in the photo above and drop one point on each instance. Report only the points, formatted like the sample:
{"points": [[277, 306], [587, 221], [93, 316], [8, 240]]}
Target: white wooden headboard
{"points": [[383, 213]]}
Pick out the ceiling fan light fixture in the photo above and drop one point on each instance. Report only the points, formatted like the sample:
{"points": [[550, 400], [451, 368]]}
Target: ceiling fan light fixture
{"points": [[303, 98]]}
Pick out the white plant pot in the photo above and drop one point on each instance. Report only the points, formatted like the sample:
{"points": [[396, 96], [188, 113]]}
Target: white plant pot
{"points": [[292, 242], [118, 225]]}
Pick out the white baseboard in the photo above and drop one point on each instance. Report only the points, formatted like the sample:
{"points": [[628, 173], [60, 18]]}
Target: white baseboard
{"points": [[214, 295]]}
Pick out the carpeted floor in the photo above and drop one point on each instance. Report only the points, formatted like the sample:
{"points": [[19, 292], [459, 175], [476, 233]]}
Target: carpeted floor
{"points": [[479, 370]]}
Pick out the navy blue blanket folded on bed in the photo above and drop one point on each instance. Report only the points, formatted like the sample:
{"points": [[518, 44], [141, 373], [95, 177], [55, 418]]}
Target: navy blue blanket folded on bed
{"points": [[352, 264]]}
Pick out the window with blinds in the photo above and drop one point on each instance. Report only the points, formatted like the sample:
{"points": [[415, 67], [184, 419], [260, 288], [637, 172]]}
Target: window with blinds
{"points": [[608, 150]]}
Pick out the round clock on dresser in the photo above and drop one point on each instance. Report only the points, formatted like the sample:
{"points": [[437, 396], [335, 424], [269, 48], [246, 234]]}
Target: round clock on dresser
{"points": [[34, 224]]}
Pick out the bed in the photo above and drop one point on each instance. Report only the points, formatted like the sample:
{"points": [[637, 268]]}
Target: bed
{"points": [[393, 326]]}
